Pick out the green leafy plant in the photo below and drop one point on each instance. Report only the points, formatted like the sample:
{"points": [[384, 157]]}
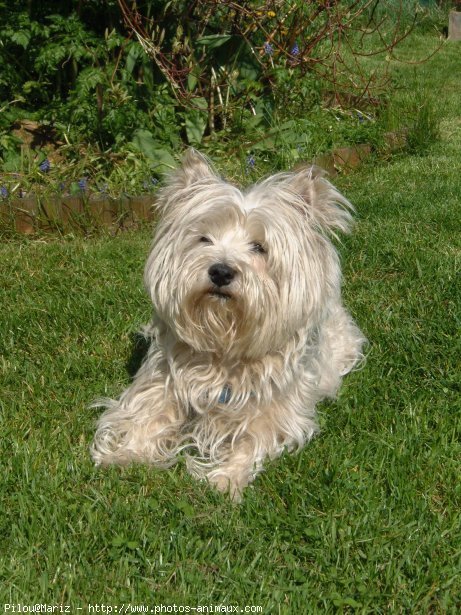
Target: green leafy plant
{"points": [[123, 86]]}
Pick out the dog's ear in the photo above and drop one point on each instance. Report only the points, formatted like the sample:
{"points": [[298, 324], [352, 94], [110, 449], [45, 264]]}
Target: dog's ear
{"points": [[327, 207], [194, 167]]}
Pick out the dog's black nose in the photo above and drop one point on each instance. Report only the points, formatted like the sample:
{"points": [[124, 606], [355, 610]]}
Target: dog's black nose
{"points": [[221, 274]]}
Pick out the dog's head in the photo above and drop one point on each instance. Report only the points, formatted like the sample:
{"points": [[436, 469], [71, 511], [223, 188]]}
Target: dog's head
{"points": [[240, 273]]}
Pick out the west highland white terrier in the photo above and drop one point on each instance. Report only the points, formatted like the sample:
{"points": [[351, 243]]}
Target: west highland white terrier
{"points": [[248, 332]]}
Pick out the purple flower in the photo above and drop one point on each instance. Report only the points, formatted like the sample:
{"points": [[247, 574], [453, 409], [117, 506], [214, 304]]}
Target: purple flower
{"points": [[3, 192], [268, 49], [45, 166], [83, 183], [295, 50], [150, 183], [251, 162]]}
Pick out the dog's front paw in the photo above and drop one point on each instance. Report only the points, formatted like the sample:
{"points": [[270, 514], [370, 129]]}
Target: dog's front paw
{"points": [[107, 448], [232, 485], [153, 442]]}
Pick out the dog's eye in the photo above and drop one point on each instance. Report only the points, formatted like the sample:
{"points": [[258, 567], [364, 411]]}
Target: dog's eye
{"points": [[204, 239], [257, 247]]}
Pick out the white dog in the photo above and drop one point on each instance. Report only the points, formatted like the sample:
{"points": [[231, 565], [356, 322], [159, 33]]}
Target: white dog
{"points": [[248, 332]]}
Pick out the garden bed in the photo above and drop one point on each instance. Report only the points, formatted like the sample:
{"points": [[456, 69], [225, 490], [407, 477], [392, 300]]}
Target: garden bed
{"points": [[83, 213]]}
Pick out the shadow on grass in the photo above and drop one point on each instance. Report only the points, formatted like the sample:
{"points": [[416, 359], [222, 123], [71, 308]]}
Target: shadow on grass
{"points": [[139, 348]]}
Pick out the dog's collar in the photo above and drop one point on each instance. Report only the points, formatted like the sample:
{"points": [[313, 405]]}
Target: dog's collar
{"points": [[225, 395]]}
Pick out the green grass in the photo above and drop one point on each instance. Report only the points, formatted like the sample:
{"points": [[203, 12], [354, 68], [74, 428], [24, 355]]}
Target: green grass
{"points": [[365, 519]]}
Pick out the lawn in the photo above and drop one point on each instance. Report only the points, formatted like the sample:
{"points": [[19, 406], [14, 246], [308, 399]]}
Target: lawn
{"points": [[365, 519]]}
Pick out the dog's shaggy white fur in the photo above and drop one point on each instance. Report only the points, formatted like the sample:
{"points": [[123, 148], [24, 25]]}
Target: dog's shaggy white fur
{"points": [[248, 332]]}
